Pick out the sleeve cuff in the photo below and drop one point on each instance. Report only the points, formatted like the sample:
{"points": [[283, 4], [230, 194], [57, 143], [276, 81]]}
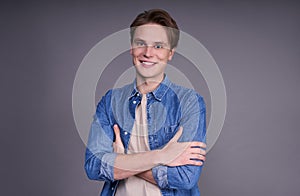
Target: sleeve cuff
{"points": [[107, 165], [160, 174]]}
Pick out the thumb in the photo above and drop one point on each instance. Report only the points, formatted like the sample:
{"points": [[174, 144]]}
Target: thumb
{"points": [[177, 135], [117, 133]]}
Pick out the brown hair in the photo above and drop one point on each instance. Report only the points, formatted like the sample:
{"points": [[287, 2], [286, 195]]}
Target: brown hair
{"points": [[157, 16]]}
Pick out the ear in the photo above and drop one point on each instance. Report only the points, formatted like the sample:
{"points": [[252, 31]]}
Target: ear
{"points": [[171, 54]]}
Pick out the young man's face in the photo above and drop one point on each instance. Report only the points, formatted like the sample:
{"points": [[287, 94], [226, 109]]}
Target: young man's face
{"points": [[150, 52]]}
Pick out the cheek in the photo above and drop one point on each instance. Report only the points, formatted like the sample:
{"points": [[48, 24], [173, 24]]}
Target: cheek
{"points": [[135, 52], [164, 56]]}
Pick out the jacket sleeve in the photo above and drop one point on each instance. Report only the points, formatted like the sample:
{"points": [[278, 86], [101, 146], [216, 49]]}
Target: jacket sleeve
{"points": [[194, 129], [99, 156]]}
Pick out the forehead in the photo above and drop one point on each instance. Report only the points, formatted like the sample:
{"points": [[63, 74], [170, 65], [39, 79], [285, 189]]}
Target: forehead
{"points": [[151, 33]]}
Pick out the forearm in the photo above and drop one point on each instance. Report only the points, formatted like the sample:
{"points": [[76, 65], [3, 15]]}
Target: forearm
{"points": [[148, 176], [127, 165], [99, 166], [179, 177]]}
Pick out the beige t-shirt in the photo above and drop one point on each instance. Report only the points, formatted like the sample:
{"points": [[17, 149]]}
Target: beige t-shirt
{"points": [[138, 143]]}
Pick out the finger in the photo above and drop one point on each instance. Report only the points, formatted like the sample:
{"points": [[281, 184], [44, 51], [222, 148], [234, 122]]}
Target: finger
{"points": [[198, 157], [195, 150], [117, 133], [198, 144], [177, 135], [195, 162], [198, 151]]}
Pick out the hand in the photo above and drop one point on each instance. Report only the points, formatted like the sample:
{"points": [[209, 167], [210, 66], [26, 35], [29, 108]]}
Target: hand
{"points": [[180, 153], [118, 145]]}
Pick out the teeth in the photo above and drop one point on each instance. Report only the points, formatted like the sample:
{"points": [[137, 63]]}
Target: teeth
{"points": [[147, 63]]}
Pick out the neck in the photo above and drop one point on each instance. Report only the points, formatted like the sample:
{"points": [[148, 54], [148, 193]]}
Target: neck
{"points": [[146, 85]]}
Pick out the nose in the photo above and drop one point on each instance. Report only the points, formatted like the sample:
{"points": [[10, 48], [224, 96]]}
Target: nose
{"points": [[148, 51]]}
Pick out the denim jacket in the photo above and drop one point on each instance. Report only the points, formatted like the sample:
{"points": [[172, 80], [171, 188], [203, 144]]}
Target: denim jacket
{"points": [[168, 107]]}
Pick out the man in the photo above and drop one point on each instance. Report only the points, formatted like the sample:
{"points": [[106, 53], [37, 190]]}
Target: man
{"points": [[146, 137]]}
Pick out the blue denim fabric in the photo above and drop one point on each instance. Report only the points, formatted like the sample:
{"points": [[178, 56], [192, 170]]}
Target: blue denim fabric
{"points": [[168, 107]]}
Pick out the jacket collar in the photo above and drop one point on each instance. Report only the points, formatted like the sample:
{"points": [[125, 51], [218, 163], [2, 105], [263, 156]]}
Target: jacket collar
{"points": [[158, 93]]}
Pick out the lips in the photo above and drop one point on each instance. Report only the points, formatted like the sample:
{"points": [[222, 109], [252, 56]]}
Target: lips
{"points": [[147, 64]]}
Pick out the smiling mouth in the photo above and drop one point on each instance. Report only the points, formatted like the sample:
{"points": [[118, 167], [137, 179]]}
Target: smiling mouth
{"points": [[147, 63]]}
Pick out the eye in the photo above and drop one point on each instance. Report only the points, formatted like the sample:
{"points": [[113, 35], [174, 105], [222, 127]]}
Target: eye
{"points": [[140, 43], [158, 46]]}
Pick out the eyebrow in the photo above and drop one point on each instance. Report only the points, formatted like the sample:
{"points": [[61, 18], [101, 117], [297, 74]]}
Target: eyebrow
{"points": [[158, 42]]}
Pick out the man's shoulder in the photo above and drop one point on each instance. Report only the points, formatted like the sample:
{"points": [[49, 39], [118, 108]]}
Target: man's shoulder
{"points": [[188, 99], [118, 93], [126, 89], [184, 92]]}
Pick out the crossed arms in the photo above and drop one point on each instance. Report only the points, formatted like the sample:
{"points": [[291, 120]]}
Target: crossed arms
{"points": [[176, 165], [140, 164]]}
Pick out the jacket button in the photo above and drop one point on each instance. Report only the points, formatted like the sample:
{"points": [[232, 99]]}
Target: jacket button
{"points": [[134, 102], [125, 132]]}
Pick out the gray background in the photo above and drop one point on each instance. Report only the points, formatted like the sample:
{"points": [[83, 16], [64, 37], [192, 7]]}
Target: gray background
{"points": [[255, 44]]}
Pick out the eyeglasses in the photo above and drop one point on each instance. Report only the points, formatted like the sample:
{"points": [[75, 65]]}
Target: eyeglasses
{"points": [[156, 45]]}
